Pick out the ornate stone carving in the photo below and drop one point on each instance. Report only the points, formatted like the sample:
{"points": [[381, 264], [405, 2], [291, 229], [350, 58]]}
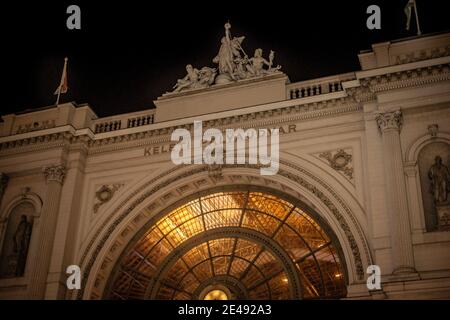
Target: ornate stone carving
{"points": [[35, 126], [105, 193], [215, 171], [233, 65], [420, 55], [339, 161], [408, 78], [361, 94], [196, 79], [55, 173], [433, 130], [389, 120]]}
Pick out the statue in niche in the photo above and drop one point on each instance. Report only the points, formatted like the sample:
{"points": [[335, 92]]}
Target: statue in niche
{"points": [[21, 241], [440, 179], [195, 79]]}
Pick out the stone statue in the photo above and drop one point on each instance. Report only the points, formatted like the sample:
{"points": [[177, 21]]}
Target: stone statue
{"points": [[21, 241], [233, 65], [258, 62], [440, 178], [195, 79], [229, 51]]}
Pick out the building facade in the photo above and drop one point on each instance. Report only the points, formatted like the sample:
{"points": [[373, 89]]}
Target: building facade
{"points": [[363, 180]]}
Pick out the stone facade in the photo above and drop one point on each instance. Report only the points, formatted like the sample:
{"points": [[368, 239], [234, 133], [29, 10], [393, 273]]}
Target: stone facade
{"points": [[357, 148]]}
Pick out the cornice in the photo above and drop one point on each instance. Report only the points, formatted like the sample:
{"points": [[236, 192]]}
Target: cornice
{"points": [[407, 79], [370, 83], [36, 143], [279, 116]]}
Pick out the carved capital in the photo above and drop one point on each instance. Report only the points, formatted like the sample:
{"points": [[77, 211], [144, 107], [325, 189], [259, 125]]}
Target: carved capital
{"points": [[389, 120], [54, 173]]}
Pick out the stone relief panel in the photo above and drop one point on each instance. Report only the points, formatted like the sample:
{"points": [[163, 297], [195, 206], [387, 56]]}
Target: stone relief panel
{"points": [[104, 194], [19, 226], [340, 160], [433, 162]]}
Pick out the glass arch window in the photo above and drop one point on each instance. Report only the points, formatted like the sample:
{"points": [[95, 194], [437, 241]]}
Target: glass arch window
{"points": [[245, 266]]}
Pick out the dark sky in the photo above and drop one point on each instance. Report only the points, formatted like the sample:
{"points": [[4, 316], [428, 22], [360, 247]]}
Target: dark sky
{"points": [[130, 52]]}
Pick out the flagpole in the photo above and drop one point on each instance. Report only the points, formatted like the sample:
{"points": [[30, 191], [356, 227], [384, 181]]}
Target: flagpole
{"points": [[62, 80], [417, 19], [57, 98]]}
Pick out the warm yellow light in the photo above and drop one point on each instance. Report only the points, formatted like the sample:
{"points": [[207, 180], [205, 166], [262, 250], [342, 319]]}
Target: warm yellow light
{"points": [[216, 294], [338, 275]]}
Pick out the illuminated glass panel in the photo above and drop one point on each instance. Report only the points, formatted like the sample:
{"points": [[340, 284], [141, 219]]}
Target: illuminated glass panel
{"points": [[247, 262]]}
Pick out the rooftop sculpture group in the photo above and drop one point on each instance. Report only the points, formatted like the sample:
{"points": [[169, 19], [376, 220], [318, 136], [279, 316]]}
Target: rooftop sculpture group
{"points": [[233, 65]]}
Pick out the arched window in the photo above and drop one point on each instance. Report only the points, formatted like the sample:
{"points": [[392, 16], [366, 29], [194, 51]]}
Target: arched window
{"points": [[16, 240], [251, 244]]}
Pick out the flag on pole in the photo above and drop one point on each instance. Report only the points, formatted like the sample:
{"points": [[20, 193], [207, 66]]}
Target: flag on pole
{"points": [[63, 86], [408, 12]]}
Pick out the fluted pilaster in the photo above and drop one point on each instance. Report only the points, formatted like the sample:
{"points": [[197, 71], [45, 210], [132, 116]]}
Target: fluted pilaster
{"points": [[390, 124], [54, 176]]}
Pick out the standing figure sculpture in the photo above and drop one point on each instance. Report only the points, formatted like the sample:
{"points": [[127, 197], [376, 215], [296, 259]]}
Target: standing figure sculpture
{"points": [[228, 52], [440, 179], [21, 241]]}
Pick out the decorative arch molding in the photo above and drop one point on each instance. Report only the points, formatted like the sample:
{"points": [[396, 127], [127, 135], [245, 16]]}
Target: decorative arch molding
{"points": [[412, 152], [26, 196], [155, 195]]}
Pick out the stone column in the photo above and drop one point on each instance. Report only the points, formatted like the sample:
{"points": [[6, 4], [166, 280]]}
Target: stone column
{"points": [[54, 176], [390, 125]]}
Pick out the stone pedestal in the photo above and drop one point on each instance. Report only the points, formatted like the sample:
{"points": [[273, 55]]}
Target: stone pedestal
{"points": [[224, 97]]}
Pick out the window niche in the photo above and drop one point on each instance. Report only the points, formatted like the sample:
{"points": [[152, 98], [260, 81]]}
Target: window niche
{"points": [[434, 161], [16, 240]]}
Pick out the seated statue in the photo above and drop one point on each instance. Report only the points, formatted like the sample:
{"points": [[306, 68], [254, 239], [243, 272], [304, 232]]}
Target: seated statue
{"points": [[195, 79], [257, 62]]}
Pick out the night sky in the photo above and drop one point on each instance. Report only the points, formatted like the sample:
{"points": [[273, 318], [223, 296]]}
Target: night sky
{"points": [[128, 53]]}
